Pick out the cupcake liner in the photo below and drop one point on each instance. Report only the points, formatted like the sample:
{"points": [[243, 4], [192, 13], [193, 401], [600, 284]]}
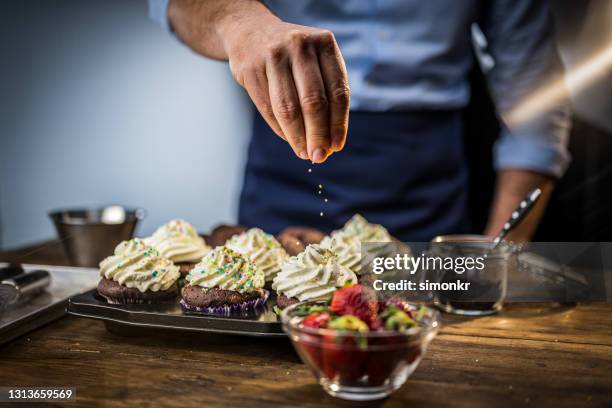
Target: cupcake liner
{"points": [[227, 309], [126, 301]]}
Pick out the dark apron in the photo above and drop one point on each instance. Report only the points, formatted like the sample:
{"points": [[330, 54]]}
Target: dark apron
{"points": [[404, 170]]}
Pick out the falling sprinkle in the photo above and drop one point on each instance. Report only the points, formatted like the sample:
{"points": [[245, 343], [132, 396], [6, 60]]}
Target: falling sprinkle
{"points": [[320, 186], [321, 213], [325, 200], [319, 192], [298, 243], [310, 170]]}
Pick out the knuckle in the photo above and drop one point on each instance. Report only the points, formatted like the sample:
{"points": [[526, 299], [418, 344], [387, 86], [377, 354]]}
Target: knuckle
{"points": [[300, 41], [315, 103], [341, 94], [326, 37], [275, 51], [317, 139], [266, 110], [327, 43], [287, 111], [297, 37]]}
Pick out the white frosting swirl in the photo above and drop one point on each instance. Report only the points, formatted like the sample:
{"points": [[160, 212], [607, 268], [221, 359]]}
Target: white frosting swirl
{"points": [[262, 249], [359, 228], [179, 241], [313, 274], [347, 248], [346, 243], [226, 269], [137, 265]]}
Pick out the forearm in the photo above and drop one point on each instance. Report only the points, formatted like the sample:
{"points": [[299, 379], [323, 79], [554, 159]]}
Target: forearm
{"points": [[512, 186], [204, 25]]}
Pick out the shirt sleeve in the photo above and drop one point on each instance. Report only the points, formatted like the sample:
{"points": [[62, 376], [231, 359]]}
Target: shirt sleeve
{"points": [[521, 41], [158, 12]]}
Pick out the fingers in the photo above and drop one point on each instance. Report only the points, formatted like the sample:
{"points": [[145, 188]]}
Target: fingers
{"points": [[256, 85], [285, 102], [335, 78], [300, 87], [312, 96]]}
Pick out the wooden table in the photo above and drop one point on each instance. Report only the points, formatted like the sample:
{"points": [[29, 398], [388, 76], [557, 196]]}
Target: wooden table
{"points": [[529, 355]]}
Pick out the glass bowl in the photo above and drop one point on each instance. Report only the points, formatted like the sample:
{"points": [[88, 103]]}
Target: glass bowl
{"points": [[360, 366]]}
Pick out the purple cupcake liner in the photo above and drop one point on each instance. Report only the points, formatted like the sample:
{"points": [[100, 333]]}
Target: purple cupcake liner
{"points": [[227, 309]]}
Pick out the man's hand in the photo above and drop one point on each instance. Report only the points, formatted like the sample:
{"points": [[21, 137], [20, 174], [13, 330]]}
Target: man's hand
{"points": [[294, 74], [511, 188]]}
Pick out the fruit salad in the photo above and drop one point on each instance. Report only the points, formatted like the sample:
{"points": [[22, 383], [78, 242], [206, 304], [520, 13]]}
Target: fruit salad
{"points": [[357, 341]]}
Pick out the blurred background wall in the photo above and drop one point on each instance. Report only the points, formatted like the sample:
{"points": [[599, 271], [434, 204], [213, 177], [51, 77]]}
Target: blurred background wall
{"points": [[98, 105]]}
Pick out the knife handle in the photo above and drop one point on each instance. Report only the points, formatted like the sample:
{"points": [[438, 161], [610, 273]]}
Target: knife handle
{"points": [[10, 271], [24, 286]]}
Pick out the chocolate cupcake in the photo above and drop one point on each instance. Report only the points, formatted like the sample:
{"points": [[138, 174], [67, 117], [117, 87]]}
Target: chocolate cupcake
{"points": [[222, 283], [179, 242], [296, 239], [136, 273], [260, 248], [315, 274]]}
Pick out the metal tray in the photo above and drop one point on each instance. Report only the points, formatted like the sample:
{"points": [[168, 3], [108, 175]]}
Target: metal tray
{"points": [[262, 323], [50, 305]]}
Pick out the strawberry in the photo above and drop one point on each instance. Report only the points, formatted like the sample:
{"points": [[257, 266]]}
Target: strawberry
{"points": [[311, 343], [356, 300], [344, 353], [377, 325], [316, 320]]}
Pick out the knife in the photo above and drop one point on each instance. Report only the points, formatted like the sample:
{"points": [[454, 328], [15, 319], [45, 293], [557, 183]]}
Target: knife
{"points": [[23, 286]]}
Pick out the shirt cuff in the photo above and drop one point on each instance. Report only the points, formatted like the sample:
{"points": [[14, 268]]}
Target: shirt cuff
{"points": [[158, 12], [530, 153]]}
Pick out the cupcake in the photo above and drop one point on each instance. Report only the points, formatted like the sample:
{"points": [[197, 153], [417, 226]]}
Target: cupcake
{"points": [[296, 239], [136, 273], [223, 282], [312, 275], [347, 243], [179, 242], [262, 249]]}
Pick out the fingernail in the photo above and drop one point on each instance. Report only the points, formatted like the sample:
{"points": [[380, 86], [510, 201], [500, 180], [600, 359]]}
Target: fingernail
{"points": [[318, 155], [303, 155]]}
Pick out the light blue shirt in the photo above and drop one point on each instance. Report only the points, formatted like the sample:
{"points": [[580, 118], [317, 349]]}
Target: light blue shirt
{"points": [[416, 54]]}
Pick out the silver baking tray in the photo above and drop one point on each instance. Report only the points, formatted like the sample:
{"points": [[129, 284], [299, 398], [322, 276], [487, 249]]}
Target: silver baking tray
{"points": [[262, 322], [48, 306]]}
